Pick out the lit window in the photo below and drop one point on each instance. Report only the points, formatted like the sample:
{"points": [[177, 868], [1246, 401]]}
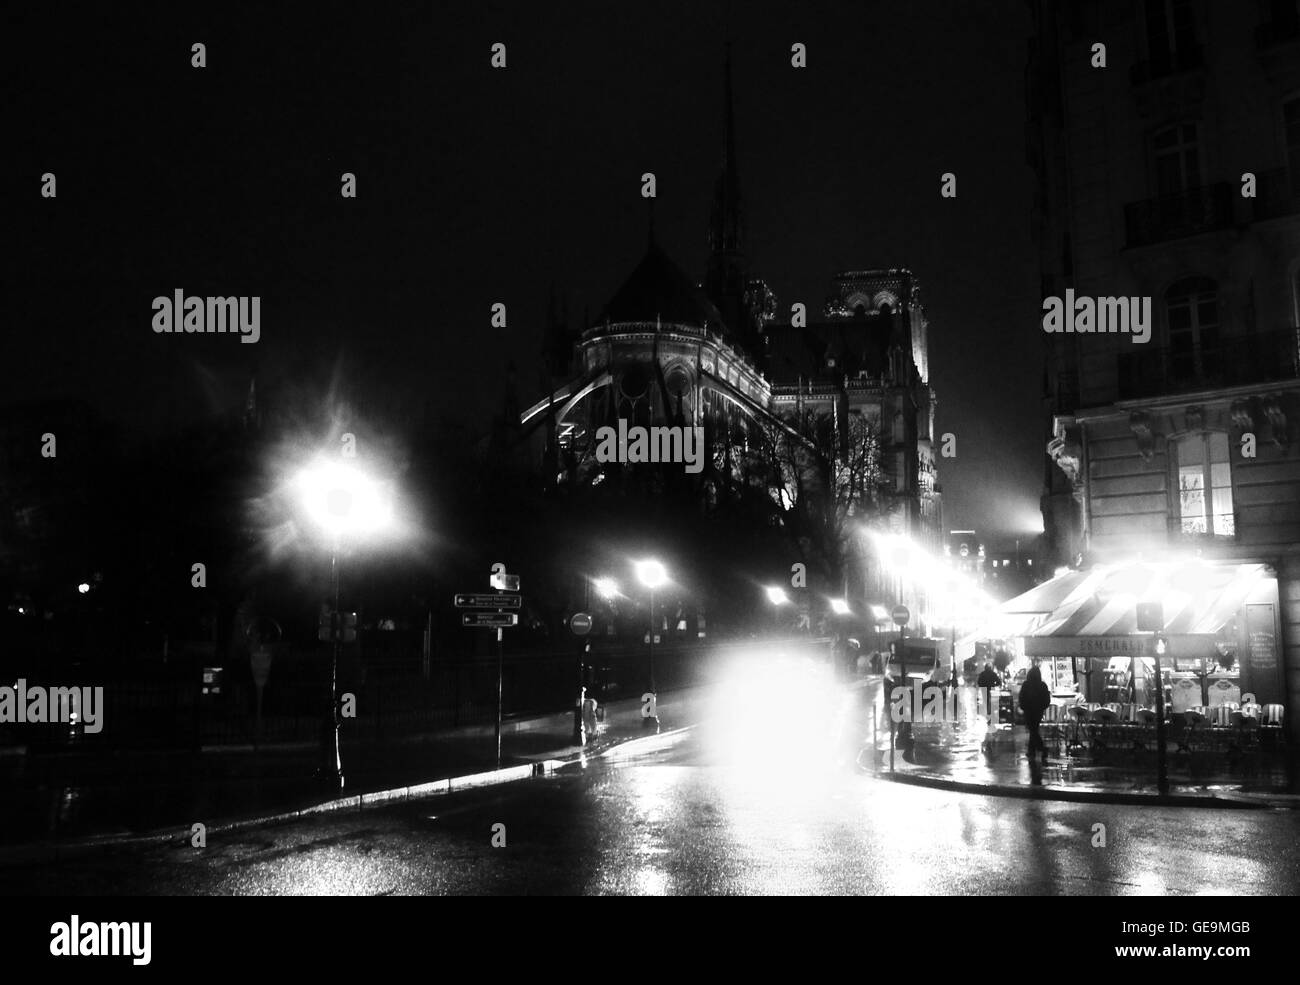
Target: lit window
{"points": [[1204, 484]]}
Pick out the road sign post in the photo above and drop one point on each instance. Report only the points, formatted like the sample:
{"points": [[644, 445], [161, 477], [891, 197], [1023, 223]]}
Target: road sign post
{"points": [[580, 624], [496, 619]]}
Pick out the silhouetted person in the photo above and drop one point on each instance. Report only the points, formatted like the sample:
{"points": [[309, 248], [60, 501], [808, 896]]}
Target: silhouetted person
{"points": [[1034, 699], [988, 680]]}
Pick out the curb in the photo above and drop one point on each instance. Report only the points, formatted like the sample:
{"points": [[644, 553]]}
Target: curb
{"points": [[1227, 801], [360, 802]]}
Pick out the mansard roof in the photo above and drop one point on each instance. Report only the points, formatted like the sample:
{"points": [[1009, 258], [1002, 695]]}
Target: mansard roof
{"points": [[659, 289]]}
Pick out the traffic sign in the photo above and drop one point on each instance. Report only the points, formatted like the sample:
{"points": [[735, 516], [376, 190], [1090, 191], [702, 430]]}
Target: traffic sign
{"points": [[489, 619], [471, 601], [901, 615], [260, 659], [580, 623], [504, 582]]}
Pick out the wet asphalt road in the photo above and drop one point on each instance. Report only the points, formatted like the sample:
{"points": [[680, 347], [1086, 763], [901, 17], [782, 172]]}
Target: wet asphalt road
{"points": [[709, 816]]}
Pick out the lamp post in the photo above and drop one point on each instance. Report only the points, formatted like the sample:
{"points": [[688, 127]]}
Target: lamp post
{"points": [[342, 502], [1162, 769], [776, 595], [651, 574]]}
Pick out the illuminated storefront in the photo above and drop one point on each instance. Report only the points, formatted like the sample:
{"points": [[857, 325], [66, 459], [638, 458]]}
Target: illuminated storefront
{"points": [[1094, 634]]}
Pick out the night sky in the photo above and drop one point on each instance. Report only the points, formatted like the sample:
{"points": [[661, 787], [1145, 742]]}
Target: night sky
{"points": [[478, 185]]}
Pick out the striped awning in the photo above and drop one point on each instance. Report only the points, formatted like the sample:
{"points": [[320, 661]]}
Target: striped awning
{"points": [[1098, 608]]}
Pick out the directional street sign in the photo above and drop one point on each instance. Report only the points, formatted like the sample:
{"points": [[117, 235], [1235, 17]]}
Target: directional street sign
{"points": [[473, 601], [901, 615], [489, 619]]}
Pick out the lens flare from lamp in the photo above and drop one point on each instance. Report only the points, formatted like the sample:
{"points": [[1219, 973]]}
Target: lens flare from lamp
{"points": [[651, 574], [344, 501]]}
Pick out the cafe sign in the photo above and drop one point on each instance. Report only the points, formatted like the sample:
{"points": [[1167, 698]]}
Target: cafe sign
{"points": [[1185, 647]]}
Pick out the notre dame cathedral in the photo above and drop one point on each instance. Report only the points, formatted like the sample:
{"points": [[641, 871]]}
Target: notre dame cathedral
{"points": [[719, 352]]}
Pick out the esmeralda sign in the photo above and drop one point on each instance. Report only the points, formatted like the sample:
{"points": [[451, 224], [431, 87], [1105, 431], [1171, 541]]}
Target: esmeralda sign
{"points": [[1186, 647]]}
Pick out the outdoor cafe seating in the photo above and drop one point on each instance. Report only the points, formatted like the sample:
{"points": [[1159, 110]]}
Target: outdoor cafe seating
{"points": [[1098, 728]]}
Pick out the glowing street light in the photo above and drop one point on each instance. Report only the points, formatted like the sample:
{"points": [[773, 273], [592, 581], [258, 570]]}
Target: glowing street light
{"points": [[84, 587], [776, 595], [606, 588], [840, 607], [652, 575], [343, 502]]}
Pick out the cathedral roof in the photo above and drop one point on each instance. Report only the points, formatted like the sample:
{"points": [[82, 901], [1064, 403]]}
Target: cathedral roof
{"points": [[659, 289]]}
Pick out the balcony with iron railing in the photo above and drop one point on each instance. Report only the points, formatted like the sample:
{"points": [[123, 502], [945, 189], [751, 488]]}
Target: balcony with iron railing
{"points": [[1277, 193], [1233, 360], [1216, 528], [1188, 213]]}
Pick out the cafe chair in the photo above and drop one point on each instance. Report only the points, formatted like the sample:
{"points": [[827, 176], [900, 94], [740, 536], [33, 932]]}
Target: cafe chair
{"points": [[1246, 731], [1103, 720], [1270, 724], [1144, 720], [1051, 727], [1076, 715], [1194, 723]]}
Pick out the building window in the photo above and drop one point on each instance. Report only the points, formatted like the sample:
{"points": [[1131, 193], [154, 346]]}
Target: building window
{"points": [[1171, 31], [1177, 156], [1204, 484], [1192, 318]]}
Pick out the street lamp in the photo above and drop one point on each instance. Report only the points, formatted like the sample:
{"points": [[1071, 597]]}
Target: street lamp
{"points": [[606, 588], [840, 607], [776, 595], [343, 503], [652, 574]]}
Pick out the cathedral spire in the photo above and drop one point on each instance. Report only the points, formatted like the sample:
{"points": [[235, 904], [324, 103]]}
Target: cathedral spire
{"points": [[726, 229], [728, 268]]}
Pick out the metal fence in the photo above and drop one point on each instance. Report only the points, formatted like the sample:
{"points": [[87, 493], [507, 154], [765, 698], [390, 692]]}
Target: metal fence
{"points": [[165, 706]]}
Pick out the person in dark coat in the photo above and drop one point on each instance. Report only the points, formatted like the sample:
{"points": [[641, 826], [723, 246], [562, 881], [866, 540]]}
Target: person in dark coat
{"points": [[988, 680], [1034, 699]]}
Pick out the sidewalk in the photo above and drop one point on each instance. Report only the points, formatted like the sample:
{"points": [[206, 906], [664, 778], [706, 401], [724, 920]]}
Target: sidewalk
{"points": [[120, 798], [951, 757]]}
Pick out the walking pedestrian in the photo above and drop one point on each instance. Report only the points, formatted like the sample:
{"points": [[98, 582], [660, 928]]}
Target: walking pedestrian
{"points": [[1034, 699]]}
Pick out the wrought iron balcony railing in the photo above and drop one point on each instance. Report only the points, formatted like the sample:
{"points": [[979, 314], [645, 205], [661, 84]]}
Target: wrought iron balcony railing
{"points": [[1216, 526], [1197, 210], [1234, 360]]}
